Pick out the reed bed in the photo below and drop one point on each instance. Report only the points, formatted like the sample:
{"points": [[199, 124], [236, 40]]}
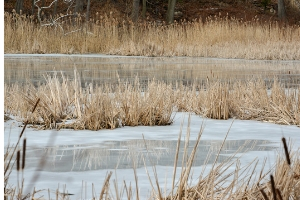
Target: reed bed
{"points": [[249, 100], [92, 107], [67, 103], [215, 37]]}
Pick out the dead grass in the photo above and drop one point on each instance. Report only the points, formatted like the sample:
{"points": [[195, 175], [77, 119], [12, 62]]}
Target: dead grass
{"points": [[213, 186], [67, 104], [92, 107], [222, 38], [249, 100], [281, 106]]}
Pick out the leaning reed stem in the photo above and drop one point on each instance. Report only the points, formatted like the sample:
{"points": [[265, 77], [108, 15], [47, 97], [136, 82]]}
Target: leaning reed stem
{"points": [[287, 155]]}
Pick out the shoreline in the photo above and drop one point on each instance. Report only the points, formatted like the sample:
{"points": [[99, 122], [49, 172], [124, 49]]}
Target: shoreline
{"points": [[94, 55]]}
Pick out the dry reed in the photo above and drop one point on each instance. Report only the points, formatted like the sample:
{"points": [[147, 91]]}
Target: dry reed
{"points": [[243, 100], [222, 38], [9, 163], [284, 183], [130, 104], [92, 107]]}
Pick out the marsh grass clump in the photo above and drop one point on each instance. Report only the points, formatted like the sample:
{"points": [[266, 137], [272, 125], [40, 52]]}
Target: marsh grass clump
{"points": [[216, 102], [253, 100], [157, 104], [68, 104], [99, 110], [250, 100]]}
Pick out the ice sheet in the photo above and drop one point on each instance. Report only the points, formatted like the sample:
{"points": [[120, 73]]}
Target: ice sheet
{"points": [[212, 130]]}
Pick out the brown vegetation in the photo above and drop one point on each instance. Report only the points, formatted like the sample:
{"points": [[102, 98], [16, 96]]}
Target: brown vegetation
{"points": [[244, 100], [130, 104], [216, 37], [284, 183], [93, 108]]}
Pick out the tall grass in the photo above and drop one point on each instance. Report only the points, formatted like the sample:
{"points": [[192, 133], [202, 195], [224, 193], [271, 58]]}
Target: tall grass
{"points": [[67, 104], [223, 38], [92, 107]]}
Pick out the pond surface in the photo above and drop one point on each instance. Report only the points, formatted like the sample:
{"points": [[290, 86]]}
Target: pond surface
{"points": [[127, 154], [77, 158], [101, 69], [86, 156]]}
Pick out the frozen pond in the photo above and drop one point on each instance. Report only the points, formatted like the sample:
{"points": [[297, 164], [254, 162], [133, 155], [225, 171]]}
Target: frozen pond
{"points": [[119, 154], [80, 159], [99, 69]]}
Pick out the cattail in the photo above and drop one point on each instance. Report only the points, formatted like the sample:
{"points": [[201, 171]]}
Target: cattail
{"points": [[264, 194], [24, 154], [18, 160], [35, 105], [273, 187], [279, 194], [27, 120], [287, 155]]}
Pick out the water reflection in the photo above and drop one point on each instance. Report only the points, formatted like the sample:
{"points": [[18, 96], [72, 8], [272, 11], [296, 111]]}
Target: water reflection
{"points": [[100, 70], [126, 154]]}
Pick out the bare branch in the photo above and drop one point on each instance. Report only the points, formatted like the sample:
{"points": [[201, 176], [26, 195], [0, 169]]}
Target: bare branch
{"points": [[56, 22], [41, 8]]}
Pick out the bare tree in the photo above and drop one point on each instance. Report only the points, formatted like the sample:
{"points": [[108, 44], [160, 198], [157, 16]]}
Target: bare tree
{"points": [[55, 8], [32, 7], [170, 12], [88, 11], [57, 22], [281, 10], [78, 6], [19, 6], [144, 9], [135, 10]]}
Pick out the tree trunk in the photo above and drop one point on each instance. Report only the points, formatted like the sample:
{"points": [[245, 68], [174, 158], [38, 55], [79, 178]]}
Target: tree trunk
{"points": [[281, 10], [170, 12], [78, 6], [19, 6], [55, 8], [144, 9], [88, 11], [135, 10], [32, 7]]}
